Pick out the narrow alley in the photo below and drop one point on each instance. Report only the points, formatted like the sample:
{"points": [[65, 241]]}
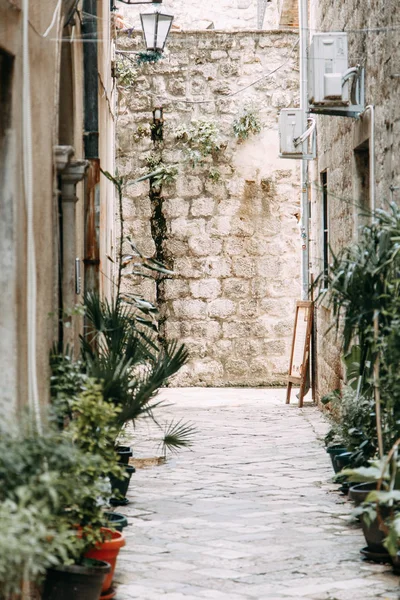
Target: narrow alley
{"points": [[250, 512]]}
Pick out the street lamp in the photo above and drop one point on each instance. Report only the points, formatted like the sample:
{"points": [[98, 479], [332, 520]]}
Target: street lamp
{"points": [[134, 2], [156, 28]]}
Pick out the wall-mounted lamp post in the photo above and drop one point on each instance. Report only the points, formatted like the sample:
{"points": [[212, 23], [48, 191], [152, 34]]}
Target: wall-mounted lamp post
{"points": [[113, 7], [157, 125], [134, 2], [156, 28]]}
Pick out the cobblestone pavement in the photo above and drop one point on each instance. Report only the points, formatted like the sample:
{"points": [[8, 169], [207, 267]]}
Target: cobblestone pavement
{"points": [[250, 513]]}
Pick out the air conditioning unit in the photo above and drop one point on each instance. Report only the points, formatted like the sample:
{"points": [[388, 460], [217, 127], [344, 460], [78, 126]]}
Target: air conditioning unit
{"points": [[294, 142], [328, 63]]}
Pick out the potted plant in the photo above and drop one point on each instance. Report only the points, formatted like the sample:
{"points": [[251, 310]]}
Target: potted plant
{"points": [[41, 510], [63, 476]]}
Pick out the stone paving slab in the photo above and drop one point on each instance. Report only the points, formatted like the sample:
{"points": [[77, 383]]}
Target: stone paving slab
{"points": [[249, 513]]}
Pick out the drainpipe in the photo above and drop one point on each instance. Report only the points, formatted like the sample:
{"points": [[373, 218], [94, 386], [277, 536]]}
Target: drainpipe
{"points": [[70, 176], [91, 144], [372, 178], [304, 224]]}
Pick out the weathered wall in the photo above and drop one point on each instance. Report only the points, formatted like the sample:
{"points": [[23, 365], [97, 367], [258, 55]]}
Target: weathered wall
{"points": [[373, 42], [56, 95], [225, 14], [234, 243]]}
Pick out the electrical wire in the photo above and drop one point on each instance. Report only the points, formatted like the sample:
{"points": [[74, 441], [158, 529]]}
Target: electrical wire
{"points": [[52, 23], [27, 158]]}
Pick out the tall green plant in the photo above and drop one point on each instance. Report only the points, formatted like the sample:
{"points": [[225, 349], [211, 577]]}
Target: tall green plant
{"points": [[363, 291], [130, 362]]}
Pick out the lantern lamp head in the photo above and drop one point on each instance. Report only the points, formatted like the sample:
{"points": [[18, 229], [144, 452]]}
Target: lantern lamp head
{"points": [[156, 27]]}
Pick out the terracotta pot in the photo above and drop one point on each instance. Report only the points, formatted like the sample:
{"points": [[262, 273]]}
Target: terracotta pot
{"points": [[108, 552]]}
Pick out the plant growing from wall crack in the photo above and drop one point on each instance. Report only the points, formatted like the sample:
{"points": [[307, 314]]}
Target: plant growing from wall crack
{"points": [[247, 123], [201, 139], [125, 71]]}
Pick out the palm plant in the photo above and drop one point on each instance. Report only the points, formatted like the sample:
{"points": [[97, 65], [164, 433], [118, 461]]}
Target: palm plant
{"points": [[128, 359]]}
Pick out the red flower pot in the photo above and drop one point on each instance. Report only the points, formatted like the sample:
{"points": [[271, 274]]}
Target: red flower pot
{"points": [[108, 551]]}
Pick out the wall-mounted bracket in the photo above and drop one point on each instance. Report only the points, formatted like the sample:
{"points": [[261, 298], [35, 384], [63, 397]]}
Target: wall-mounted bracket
{"points": [[356, 75]]}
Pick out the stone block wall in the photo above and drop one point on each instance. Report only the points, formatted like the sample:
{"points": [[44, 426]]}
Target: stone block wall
{"points": [[373, 42], [227, 15], [227, 226]]}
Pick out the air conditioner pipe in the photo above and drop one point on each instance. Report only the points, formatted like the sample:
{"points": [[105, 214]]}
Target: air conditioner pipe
{"points": [[306, 134], [303, 30], [372, 177]]}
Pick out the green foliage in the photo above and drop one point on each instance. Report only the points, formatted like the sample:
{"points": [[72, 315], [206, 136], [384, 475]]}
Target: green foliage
{"points": [[177, 435], [247, 123], [147, 57], [125, 71], [214, 175], [67, 381], [30, 542], [166, 174], [355, 426], [201, 139], [364, 291], [50, 486], [130, 363]]}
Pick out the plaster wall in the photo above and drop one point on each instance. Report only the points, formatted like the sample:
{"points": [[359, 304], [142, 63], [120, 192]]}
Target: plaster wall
{"points": [[233, 243], [44, 63], [374, 43], [56, 85]]}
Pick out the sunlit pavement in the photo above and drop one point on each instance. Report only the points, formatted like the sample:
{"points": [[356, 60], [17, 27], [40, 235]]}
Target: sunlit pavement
{"points": [[249, 512]]}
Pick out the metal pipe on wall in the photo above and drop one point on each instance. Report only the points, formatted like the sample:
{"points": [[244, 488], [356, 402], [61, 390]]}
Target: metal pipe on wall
{"points": [[91, 144], [304, 223], [372, 176]]}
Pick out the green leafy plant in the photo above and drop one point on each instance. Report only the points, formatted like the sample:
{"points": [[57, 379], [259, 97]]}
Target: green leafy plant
{"points": [[67, 381], [53, 487], [354, 424], [363, 291], [166, 174], [147, 57], [201, 139], [126, 71], [177, 435], [214, 175], [130, 363], [247, 123]]}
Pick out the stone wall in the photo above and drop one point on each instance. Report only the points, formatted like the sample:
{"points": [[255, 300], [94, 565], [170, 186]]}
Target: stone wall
{"points": [[374, 43], [228, 226], [224, 14]]}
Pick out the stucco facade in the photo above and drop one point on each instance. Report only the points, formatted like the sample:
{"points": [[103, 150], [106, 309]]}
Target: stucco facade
{"points": [[227, 226], [345, 147], [55, 212]]}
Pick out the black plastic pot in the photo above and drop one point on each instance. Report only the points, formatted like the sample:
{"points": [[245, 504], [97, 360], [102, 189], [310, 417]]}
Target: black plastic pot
{"points": [[396, 563], [373, 535], [124, 454], [359, 492], [75, 582], [335, 450], [116, 520], [120, 486], [341, 461]]}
